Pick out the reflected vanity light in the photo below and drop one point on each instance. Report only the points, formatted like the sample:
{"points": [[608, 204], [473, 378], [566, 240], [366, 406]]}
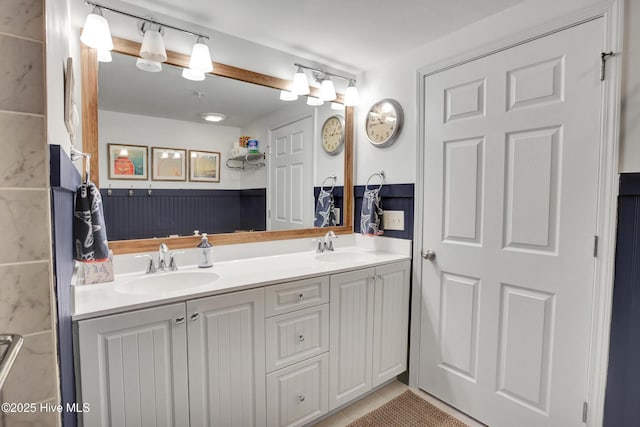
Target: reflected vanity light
{"points": [[213, 117], [148, 65], [104, 56], [314, 102], [337, 106], [176, 155], [164, 155], [286, 95], [123, 153], [327, 88], [189, 74]]}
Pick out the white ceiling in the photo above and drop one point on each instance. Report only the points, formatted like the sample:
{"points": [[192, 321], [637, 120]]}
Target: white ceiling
{"points": [[354, 35], [126, 89]]}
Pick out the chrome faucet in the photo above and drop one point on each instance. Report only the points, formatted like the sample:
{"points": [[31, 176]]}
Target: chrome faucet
{"points": [[327, 244], [162, 254], [162, 260]]}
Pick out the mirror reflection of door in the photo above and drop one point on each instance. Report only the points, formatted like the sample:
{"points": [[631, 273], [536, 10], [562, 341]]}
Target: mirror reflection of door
{"points": [[291, 167]]}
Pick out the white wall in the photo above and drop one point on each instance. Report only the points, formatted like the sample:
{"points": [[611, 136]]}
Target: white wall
{"points": [[630, 126], [121, 128], [398, 79]]}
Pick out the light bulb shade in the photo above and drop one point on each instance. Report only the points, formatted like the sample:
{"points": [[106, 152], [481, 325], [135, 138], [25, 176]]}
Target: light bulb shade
{"points": [[351, 96], [300, 85], [285, 95], [327, 90], [104, 56], [201, 57], [95, 32], [147, 65], [337, 106], [314, 102], [189, 74], [153, 46]]}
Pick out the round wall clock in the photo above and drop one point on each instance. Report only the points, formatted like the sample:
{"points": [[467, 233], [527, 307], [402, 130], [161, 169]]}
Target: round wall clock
{"points": [[384, 122], [333, 135]]}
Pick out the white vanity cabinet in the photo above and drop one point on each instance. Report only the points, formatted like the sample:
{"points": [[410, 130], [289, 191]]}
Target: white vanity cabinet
{"points": [[227, 360], [369, 329], [133, 368]]}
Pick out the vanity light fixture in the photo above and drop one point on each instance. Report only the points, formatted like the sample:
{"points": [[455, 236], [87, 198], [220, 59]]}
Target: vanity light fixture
{"points": [[123, 153], [300, 85], [152, 44], [96, 33], [164, 155], [213, 117], [286, 95], [314, 102], [337, 106], [176, 155], [327, 88], [351, 96]]}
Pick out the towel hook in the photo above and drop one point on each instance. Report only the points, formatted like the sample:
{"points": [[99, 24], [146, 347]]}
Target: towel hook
{"points": [[332, 178], [380, 175]]}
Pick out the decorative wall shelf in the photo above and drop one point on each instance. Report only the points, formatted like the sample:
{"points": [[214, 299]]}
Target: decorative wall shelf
{"points": [[255, 160]]}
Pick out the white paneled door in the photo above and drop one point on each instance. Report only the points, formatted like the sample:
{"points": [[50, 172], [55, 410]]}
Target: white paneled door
{"points": [[291, 180], [511, 166]]}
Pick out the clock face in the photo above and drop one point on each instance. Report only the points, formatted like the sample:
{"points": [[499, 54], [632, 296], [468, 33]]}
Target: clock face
{"points": [[384, 122], [333, 135]]}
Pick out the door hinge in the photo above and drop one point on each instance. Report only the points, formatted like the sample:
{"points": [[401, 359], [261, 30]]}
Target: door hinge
{"points": [[595, 246], [603, 63], [585, 408]]}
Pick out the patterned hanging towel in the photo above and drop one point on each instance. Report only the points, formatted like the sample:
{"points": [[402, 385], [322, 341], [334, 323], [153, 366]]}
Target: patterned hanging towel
{"points": [[89, 232], [371, 215], [325, 210]]}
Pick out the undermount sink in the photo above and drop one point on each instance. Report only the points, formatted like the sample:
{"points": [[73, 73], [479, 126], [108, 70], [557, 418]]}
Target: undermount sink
{"points": [[340, 256], [158, 283]]}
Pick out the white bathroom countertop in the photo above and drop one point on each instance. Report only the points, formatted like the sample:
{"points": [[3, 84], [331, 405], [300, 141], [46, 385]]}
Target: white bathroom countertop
{"points": [[235, 274]]}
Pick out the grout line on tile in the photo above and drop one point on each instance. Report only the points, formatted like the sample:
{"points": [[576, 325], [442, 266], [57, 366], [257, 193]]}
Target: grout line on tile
{"points": [[15, 36]]}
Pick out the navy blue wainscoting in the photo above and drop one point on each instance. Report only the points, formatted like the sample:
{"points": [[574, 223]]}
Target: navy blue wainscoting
{"points": [[169, 212], [64, 181], [623, 382], [338, 198], [395, 197]]}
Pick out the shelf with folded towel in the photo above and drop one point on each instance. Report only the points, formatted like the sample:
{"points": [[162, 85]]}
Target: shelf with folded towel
{"points": [[252, 159]]}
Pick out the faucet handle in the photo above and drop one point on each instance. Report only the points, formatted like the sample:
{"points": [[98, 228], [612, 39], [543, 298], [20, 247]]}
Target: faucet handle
{"points": [[151, 268], [163, 248], [173, 266]]}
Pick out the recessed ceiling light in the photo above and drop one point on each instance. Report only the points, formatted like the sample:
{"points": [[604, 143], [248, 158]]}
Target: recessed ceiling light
{"points": [[213, 117]]}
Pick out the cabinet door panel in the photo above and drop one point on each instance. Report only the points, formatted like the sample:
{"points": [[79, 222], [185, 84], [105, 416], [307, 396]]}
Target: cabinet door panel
{"points": [[226, 360], [351, 329], [391, 321], [133, 368]]}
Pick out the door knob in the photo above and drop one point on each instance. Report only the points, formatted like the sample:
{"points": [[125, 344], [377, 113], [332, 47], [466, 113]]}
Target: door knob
{"points": [[428, 255]]}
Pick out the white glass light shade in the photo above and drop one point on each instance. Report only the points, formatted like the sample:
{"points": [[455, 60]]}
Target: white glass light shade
{"points": [[201, 57], [164, 155], [314, 102], [327, 90], [300, 85], [285, 95], [176, 155], [189, 74], [337, 106], [147, 65], [104, 56], [351, 96], [95, 32], [153, 46]]}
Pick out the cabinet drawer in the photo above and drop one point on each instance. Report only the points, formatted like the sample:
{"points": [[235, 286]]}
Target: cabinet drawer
{"points": [[296, 336], [298, 394], [292, 296]]}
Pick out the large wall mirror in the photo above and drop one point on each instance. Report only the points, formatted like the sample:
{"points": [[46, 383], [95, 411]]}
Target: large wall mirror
{"points": [[164, 171]]}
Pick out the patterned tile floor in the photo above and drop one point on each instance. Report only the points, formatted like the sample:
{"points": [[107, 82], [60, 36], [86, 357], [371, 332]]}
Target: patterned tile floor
{"points": [[382, 396]]}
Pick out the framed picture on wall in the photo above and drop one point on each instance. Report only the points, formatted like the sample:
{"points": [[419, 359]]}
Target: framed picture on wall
{"points": [[128, 162], [168, 164], [204, 166]]}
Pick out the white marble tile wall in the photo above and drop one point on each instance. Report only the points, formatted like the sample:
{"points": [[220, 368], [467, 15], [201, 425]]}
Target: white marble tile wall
{"points": [[26, 291]]}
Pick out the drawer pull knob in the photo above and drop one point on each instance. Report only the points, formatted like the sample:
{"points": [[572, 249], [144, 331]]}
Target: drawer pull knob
{"points": [[301, 397], [195, 316], [301, 296], [301, 338], [180, 320]]}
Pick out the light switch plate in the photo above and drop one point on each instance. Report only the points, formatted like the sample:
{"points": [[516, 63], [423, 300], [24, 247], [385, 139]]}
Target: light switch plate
{"points": [[394, 220]]}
